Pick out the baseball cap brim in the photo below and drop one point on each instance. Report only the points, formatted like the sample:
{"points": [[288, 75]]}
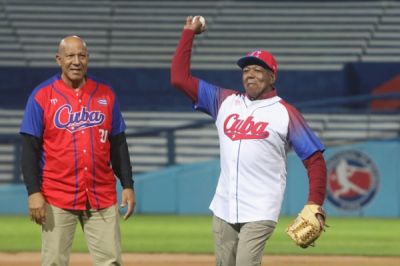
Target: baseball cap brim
{"points": [[252, 60]]}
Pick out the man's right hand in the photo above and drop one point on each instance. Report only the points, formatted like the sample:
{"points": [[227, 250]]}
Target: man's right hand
{"points": [[37, 208], [195, 26]]}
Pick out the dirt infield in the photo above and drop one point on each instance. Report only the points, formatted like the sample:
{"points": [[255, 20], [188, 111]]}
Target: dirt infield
{"points": [[30, 259]]}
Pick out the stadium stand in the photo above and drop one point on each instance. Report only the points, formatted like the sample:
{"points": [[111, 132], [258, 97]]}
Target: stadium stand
{"points": [[302, 34], [384, 45], [159, 139]]}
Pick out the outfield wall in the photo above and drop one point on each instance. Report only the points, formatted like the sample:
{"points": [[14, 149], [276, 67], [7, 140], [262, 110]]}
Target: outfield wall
{"points": [[369, 187], [363, 180]]}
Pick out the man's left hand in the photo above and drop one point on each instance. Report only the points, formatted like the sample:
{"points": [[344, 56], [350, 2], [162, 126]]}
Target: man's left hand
{"points": [[128, 198]]}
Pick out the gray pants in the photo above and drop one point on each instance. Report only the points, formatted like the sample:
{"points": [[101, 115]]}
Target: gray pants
{"points": [[240, 244], [101, 230]]}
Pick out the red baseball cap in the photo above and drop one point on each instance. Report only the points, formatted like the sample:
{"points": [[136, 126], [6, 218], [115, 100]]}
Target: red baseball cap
{"points": [[259, 57]]}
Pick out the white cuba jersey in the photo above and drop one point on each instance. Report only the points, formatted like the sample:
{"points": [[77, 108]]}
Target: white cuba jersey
{"points": [[254, 139]]}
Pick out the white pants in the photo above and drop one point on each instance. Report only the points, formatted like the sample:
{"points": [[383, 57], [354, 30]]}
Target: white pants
{"points": [[101, 231]]}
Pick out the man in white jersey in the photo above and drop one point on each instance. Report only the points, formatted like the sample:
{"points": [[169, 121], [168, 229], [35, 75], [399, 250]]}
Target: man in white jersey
{"points": [[255, 129]]}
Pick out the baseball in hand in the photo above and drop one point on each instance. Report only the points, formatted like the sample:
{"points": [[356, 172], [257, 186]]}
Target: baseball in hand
{"points": [[201, 19]]}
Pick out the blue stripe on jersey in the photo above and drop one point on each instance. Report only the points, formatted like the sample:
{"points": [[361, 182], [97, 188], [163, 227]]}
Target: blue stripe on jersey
{"points": [[93, 152], [301, 136], [75, 153], [210, 98], [207, 99], [76, 172], [32, 122], [118, 123], [94, 169]]}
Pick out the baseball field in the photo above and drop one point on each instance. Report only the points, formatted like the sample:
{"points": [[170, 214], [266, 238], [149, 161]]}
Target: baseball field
{"points": [[187, 240]]}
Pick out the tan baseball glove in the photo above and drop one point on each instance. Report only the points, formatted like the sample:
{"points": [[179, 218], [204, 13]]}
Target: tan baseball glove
{"points": [[306, 228]]}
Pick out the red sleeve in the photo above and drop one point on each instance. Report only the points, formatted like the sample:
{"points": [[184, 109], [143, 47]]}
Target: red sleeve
{"points": [[181, 77], [316, 170]]}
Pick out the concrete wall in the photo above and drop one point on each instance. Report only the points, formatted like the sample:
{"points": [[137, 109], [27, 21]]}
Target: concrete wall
{"points": [[370, 188]]}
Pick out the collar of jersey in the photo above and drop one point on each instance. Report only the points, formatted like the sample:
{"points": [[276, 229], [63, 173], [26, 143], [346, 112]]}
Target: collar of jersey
{"points": [[264, 96], [60, 84]]}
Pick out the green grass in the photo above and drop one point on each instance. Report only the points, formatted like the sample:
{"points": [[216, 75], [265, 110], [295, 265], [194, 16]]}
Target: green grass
{"points": [[192, 234]]}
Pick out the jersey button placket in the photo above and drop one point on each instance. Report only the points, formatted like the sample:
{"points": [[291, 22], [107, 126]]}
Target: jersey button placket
{"points": [[85, 153], [234, 183], [232, 194], [85, 168], [78, 95]]}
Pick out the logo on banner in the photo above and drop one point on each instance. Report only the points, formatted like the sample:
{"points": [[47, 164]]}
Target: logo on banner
{"points": [[353, 180]]}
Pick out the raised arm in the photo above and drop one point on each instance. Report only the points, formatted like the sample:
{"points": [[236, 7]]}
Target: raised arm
{"points": [[181, 77]]}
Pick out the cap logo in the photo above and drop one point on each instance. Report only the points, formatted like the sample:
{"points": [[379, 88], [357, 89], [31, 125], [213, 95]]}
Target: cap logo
{"points": [[256, 53]]}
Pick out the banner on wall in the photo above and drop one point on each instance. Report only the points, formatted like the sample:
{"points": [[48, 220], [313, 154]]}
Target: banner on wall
{"points": [[353, 180], [363, 179]]}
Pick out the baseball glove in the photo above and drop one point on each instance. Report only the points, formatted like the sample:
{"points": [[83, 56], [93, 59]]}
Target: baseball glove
{"points": [[306, 228]]}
